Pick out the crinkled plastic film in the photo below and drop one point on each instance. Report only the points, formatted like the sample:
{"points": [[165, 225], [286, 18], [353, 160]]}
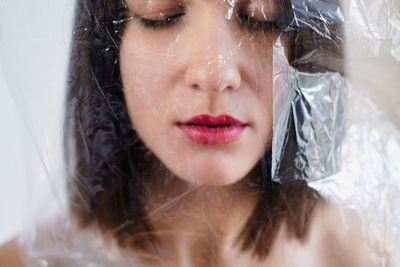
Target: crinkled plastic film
{"points": [[209, 132]]}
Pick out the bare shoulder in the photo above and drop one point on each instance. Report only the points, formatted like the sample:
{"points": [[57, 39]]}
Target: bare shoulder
{"points": [[340, 237], [10, 255]]}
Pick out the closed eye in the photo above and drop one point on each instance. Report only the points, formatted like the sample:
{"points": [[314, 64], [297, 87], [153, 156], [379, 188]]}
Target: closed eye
{"points": [[161, 23], [254, 24]]}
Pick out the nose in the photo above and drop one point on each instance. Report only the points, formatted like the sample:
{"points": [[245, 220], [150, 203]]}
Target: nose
{"points": [[212, 56]]}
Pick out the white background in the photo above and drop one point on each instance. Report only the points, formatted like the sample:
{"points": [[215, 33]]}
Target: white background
{"points": [[34, 44], [12, 186]]}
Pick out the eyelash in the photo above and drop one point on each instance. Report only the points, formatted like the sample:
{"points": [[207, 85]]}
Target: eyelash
{"points": [[257, 25], [246, 20], [162, 23]]}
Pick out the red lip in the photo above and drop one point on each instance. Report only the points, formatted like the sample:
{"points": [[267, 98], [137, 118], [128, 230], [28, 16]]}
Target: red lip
{"points": [[208, 130]]}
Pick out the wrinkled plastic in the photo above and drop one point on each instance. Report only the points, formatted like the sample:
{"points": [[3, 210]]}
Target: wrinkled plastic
{"points": [[316, 107], [105, 193]]}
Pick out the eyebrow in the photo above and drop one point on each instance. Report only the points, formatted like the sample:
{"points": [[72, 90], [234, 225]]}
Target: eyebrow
{"points": [[150, 3], [157, 4], [150, 6]]}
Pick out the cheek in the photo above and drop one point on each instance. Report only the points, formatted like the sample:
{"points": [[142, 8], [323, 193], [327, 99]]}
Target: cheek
{"points": [[264, 87], [144, 80], [271, 73], [142, 95]]}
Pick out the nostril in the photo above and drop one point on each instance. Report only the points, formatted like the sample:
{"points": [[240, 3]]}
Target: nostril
{"points": [[215, 78], [196, 86], [221, 88]]}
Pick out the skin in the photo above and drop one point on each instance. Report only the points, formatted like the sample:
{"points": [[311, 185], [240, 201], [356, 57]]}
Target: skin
{"points": [[326, 246], [10, 255], [207, 62]]}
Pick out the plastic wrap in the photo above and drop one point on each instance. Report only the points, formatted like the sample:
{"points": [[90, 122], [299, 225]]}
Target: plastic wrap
{"points": [[208, 132]]}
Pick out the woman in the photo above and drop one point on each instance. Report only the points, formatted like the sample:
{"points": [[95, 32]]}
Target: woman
{"points": [[169, 131]]}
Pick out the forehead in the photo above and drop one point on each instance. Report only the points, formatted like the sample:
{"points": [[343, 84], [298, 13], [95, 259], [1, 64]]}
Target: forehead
{"points": [[262, 6], [227, 2]]}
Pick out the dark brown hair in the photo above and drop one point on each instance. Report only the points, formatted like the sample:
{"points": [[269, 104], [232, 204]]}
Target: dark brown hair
{"points": [[107, 161]]}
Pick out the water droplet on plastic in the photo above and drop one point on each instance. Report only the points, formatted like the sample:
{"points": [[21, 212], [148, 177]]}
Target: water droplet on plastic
{"points": [[221, 60]]}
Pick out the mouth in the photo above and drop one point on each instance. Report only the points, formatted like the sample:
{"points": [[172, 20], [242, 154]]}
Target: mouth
{"points": [[208, 130]]}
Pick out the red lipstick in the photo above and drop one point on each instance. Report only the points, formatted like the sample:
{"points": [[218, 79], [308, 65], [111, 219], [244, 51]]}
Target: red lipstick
{"points": [[208, 130]]}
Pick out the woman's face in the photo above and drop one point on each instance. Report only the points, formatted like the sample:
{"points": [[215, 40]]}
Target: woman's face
{"points": [[197, 78]]}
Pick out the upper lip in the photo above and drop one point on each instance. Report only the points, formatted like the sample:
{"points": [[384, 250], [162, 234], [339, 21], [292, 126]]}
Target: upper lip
{"points": [[208, 120]]}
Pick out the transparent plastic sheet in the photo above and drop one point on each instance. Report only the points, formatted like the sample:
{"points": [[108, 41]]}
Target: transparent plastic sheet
{"points": [[331, 129], [33, 54], [315, 105]]}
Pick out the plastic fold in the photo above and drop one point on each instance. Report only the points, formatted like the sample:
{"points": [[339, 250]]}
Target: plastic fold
{"points": [[211, 133]]}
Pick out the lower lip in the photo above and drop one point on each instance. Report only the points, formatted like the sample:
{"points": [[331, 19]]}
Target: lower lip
{"points": [[212, 136]]}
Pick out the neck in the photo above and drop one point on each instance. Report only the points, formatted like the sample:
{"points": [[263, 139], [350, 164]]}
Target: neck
{"points": [[190, 221]]}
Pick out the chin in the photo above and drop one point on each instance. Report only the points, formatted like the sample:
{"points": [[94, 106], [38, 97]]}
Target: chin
{"points": [[213, 172], [211, 178]]}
